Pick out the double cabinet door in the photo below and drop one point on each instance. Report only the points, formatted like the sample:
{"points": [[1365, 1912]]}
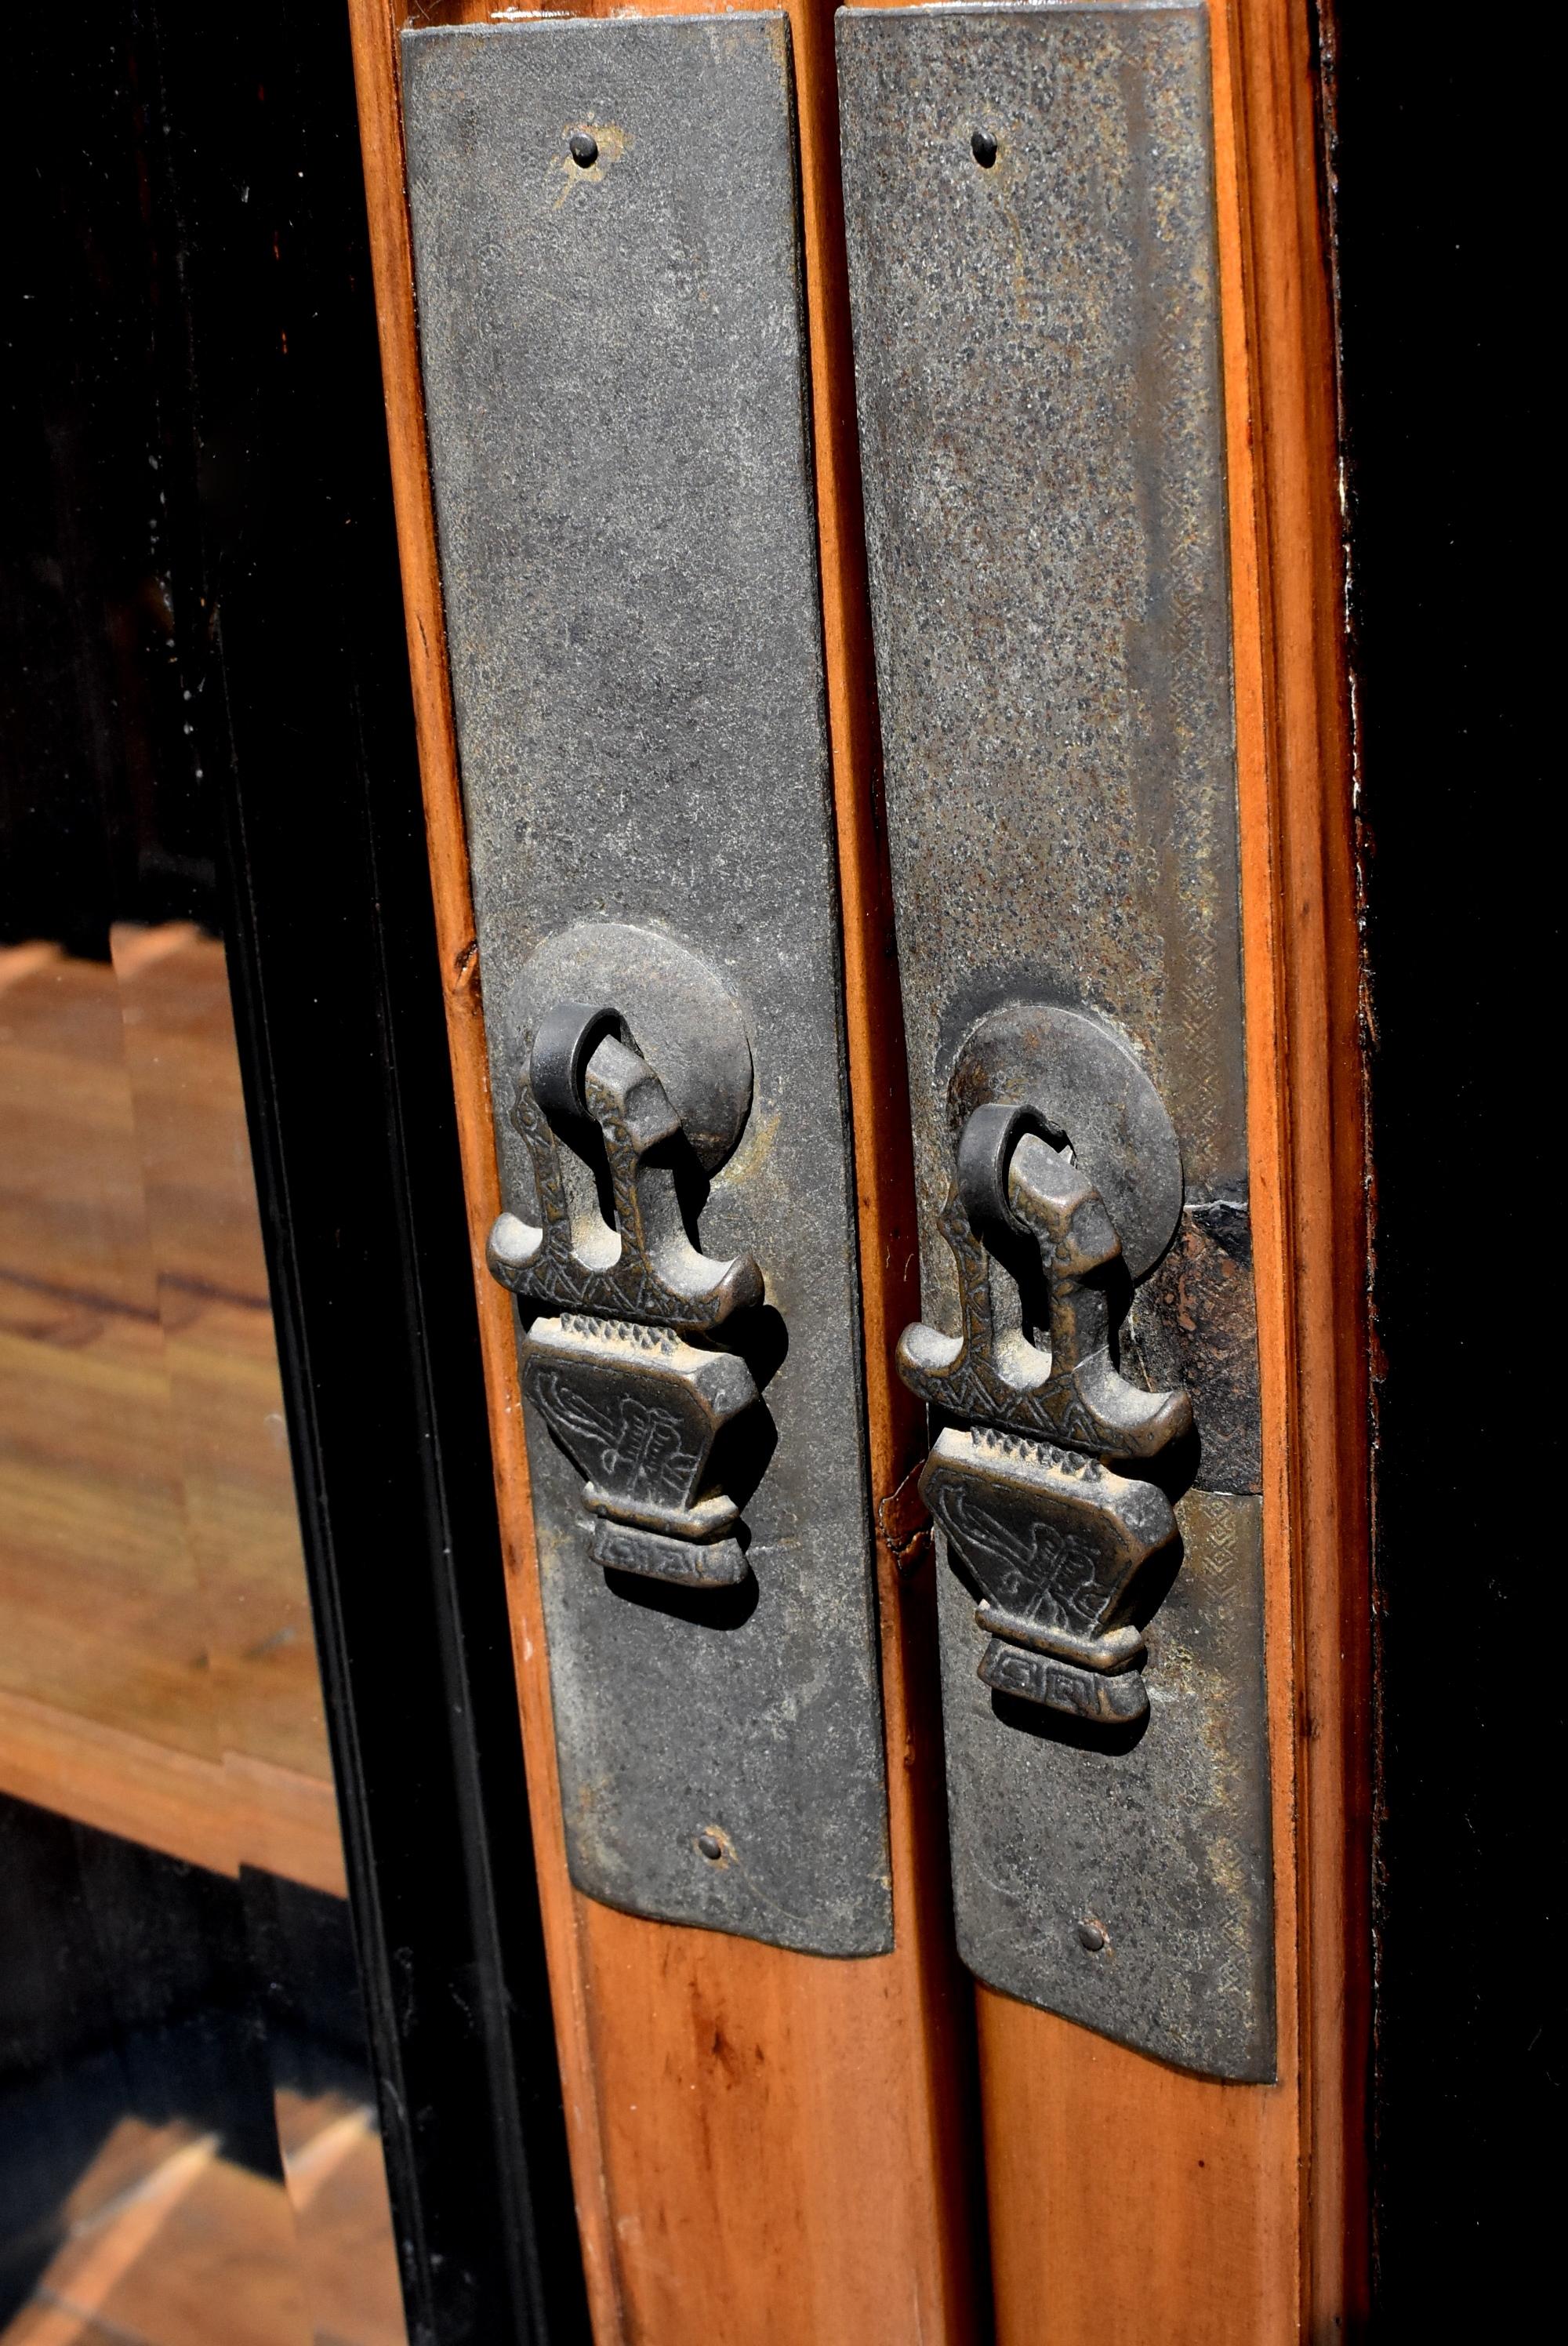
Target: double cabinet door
{"points": [[890, 909]]}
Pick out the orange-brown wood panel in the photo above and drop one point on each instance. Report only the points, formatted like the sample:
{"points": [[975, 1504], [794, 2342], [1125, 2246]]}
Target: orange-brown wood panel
{"points": [[1126, 2200], [766, 2146], [1309, 1110]]}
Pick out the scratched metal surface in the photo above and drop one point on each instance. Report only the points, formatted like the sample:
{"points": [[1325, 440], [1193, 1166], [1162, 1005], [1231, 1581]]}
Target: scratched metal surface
{"points": [[1038, 384], [1155, 1840], [613, 366]]}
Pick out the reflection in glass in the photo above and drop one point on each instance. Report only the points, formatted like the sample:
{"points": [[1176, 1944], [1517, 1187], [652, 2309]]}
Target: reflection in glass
{"points": [[150, 1540], [188, 2147], [188, 2137]]}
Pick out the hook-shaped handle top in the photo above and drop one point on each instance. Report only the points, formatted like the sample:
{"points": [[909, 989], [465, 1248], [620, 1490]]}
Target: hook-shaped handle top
{"points": [[582, 1065], [566, 1040]]}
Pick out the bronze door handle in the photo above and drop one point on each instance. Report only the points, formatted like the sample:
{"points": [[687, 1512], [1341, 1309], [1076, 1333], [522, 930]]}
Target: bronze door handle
{"points": [[636, 1407]]}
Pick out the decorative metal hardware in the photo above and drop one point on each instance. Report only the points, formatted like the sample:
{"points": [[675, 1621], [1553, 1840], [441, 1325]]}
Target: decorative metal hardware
{"points": [[638, 1410], [1009, 1176], [1028, 207], [613, 340], [1054, 1539]]}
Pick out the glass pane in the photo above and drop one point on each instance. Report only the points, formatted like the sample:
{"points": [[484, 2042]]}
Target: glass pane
{"points": [[189, 2141], [188, 2137]]}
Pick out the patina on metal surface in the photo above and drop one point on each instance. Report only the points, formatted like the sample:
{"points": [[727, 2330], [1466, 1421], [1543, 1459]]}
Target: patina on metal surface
{"points": [[1154, 1835], [1080, 1078], [1192, 1321], [638, 1410], [1029, 211], [1012, 1183], [640, 1263], [1052, 1538], [1037, 375], [606, 246], [1055, 1541], [686, 1025]]}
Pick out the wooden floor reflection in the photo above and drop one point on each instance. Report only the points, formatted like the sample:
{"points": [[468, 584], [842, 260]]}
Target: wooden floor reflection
{"points": [[167, 2237], [157, 1674], [158, 1678]]}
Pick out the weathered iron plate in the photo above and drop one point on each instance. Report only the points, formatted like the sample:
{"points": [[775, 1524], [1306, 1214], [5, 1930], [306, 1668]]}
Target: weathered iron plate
{"points": [[1037, 371], [1128, 1871], [615, 375]]}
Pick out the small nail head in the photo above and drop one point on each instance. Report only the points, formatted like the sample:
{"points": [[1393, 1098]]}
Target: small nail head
{"points": [[583, 150], [710, 1845], [1091, 1936], [983, 147]]}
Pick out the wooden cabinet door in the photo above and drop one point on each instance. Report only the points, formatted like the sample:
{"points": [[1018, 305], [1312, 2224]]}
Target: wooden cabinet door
{"points": [[771, 2141]]}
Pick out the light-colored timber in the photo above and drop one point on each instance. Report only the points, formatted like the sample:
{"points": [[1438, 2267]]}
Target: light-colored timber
{"points": [[222, 1814], [161, 2230]]}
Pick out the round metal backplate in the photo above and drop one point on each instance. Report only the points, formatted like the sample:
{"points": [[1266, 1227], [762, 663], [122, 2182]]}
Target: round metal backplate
{"points": [[1085, 1084], [677, 1012]]}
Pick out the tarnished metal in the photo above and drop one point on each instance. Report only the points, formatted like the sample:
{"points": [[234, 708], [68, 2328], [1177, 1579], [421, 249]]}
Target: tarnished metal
{"points": [[686, 1025], [1054, 1540], [1154, 1835], [1030, 218], [1067, 1389], [606, 246], [640, 1411], [1193, 1323], [646, 1266], [1037, 376], [637, 1410]]}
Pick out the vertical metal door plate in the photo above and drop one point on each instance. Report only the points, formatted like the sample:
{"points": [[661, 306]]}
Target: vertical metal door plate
{"points": [[606, 244], [1030, 213]]}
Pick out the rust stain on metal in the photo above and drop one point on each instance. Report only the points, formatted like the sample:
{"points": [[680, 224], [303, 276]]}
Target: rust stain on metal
{"points": [[904, 1524], [610, 142]]}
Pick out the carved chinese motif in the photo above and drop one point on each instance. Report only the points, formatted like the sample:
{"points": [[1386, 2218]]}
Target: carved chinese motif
{"points": [[636, 1406], [1052, 1538]]}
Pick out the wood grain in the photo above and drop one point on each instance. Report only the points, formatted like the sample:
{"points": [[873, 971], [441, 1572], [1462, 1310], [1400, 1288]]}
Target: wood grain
{"points": [[765, 2147], [1240, 2209], [1308, 1078], [222, 1814]]}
